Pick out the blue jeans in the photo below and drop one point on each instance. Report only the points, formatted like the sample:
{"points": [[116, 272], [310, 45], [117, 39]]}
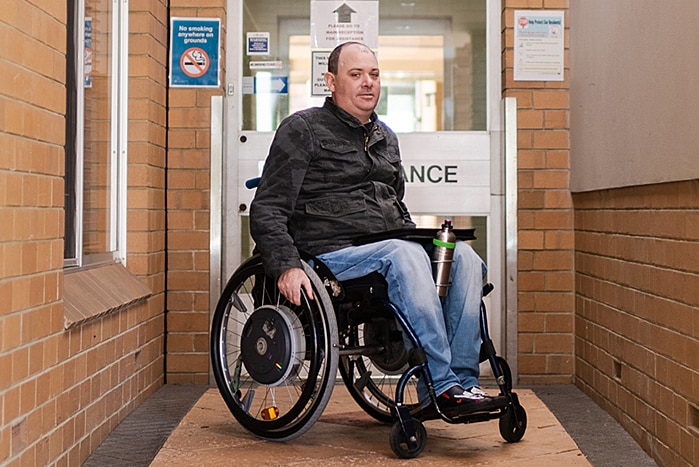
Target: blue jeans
{"points": [[448, 327]]}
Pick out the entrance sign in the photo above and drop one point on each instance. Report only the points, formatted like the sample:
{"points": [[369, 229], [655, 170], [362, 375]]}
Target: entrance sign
{"points": [[195, 52], [539, 45], [444, 172], [336, 21]]}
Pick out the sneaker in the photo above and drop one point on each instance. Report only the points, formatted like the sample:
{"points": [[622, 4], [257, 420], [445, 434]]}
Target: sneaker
{"points": [[477, 391], [455, 399], [456, 395]]}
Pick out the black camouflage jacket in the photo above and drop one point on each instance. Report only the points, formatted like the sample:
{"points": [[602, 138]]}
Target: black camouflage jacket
{"points": [[327, 179]]}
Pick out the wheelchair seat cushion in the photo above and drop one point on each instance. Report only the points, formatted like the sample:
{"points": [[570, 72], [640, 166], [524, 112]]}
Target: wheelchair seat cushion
{"points": [[369, 287]]}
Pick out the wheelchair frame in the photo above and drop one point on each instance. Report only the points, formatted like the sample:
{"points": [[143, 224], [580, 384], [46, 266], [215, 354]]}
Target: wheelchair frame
{"points": [[261, 343]]}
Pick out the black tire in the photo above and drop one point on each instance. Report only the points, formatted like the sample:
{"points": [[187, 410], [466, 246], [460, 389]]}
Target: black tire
{"points": [[513, 423], [371, 383], [400, 445], [274, 363]]}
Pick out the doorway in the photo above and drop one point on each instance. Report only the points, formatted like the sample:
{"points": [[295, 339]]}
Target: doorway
{"points": [[440, 72]]}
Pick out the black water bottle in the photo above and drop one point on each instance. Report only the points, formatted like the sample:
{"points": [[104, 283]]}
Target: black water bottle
{"points": [[444, 243]]}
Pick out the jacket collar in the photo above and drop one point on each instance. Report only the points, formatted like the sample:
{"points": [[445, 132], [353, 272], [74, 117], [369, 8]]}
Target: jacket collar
{"points": [[346, 117]]}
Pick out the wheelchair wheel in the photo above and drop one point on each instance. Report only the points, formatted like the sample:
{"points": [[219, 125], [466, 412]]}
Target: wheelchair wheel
{"points": [[372, 379], [513, 423], [274, 363]]}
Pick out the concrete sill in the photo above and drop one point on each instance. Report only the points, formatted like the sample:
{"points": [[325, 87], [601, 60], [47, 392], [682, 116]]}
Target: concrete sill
{"points": [[93, 292]]}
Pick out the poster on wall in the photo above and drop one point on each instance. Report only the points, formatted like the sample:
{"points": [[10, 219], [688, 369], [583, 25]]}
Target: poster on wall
{"points": [[539, 45], [194, 52], [335, 21], [257, 43], [87, 64], [319, 66]]}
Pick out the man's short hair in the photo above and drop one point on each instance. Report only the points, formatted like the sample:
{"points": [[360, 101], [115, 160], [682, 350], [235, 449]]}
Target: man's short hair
{"points": [[334, 57]]}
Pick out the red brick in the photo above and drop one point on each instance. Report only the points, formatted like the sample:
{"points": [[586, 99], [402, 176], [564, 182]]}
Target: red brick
{"points": [[548, 99], [551, 139], [531, 239]]}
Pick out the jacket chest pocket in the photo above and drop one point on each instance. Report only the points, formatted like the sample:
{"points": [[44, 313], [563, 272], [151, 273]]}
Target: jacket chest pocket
{"points": [[336, 206], [341, 161]]}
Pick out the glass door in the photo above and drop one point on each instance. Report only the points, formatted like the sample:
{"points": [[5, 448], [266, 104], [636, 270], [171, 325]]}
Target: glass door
{"points": [[440, 93]]}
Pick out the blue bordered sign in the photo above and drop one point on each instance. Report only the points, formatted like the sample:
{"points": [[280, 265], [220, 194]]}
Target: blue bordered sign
{"points": [[195, 52], [257, 43]]}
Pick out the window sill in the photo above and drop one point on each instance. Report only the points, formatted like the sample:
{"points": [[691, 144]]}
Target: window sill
{"points": [[93, 292]]}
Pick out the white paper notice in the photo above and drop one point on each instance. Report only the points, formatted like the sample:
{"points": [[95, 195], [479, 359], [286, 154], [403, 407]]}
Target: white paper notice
{"points": [[335, 22], [539, 45]]}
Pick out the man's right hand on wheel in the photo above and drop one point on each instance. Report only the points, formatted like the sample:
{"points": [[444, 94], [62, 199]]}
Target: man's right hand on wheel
{"points": [[290, 283]]}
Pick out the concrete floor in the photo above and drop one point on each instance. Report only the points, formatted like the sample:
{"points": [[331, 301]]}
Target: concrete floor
{"points": [[345, 435], [191, 426]]}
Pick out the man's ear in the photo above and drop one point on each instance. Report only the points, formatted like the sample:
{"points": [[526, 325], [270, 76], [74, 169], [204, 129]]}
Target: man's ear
{"points": [[330, 81]]}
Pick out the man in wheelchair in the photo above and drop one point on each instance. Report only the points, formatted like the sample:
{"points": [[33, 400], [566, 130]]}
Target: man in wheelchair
{"points": [[334, 174]]}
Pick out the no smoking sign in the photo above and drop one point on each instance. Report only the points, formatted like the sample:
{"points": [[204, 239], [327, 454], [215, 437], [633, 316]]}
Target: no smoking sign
{"points": [[194, 62], [194, 52]]}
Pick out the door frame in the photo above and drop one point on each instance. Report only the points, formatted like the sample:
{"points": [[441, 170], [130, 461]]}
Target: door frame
{"points": [[226, 118]]}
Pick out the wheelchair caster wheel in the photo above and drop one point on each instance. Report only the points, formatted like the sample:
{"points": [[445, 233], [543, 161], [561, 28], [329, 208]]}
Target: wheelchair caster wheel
{"points": [[400, 445], [513, 423]]}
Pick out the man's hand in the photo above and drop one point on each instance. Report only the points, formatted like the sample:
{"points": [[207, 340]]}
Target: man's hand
{"points": [[290, 283]]}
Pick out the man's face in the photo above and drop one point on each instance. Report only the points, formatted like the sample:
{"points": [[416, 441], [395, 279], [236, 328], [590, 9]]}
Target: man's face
{"points": [[357, 85]]}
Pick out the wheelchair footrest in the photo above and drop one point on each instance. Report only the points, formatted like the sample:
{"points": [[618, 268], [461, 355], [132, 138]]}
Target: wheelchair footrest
{"points": [[470, 411]]}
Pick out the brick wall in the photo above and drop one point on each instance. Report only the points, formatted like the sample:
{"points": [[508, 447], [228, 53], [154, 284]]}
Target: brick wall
{"points": [[31, 220], [63, 390], [189, 120], [637, 324], [545, 214]]}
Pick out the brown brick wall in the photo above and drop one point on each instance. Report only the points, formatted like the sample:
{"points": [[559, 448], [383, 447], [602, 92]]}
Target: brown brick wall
{"points": [[62, 391], [637, 323], [632, 281], [31, 227], [545, 215], [189, 120]]}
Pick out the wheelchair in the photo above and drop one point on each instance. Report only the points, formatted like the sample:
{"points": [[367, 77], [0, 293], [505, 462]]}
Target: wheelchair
{"points": [[276, 363]]}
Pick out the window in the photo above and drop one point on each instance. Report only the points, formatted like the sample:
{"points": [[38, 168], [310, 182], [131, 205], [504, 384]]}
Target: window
{"points": [[96, 139]]}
